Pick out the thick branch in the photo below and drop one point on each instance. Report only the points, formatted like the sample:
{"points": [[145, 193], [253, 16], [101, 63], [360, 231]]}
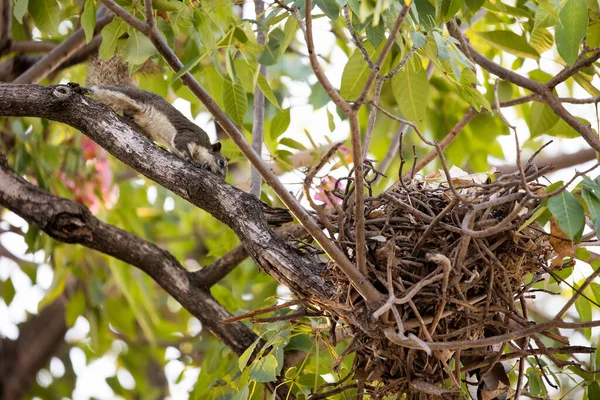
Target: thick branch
{"points": [[240, 211], [69, 222]]}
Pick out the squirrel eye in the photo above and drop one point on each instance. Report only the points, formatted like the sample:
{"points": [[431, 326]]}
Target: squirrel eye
{"points": [[222, 163]]}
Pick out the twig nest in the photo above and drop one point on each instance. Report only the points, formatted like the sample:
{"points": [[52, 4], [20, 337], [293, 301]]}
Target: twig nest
{"points": [[452, 260]]}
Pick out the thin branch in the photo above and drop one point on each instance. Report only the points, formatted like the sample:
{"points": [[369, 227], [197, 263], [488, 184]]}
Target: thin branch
{"points": [[213, 273], [316, 67], [567, 72], [579, 291], [364, 287], [31, 46], [384, 53], [540, 89], [401, 65], [560, 161], [149, 14], [573, 100], [258, 115], [356, 39], [372, 118], [57, 56], [361, 258], [359, 192]]}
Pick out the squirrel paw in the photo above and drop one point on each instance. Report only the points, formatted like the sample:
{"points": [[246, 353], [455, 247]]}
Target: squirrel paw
{"points": [[77, 88]]}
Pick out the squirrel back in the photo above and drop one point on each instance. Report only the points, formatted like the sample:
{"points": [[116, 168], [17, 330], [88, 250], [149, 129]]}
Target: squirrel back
{"points": [[110, 83]]}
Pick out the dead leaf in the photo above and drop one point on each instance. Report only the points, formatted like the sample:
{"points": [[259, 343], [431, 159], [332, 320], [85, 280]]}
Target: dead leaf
{"points": [[562, 245]]}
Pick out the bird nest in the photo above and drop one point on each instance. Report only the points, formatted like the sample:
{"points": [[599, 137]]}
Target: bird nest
{"points": [[452, 256]]}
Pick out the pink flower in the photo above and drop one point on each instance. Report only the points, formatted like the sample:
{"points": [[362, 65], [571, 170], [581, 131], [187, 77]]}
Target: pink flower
{"points": [[327, 185]]}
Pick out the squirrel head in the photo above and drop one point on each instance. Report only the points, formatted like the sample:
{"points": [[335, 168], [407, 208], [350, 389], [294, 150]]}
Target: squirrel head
{"points": [[220, 160]]}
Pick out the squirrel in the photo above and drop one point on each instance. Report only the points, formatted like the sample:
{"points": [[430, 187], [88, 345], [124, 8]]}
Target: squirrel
{"points": [[109, 82]]}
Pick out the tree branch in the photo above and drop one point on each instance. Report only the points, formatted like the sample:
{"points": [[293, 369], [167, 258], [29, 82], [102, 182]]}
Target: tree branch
{"points": [[544, 91], [316, 67], [258, 115], [69, 222], [384, 53], [364, 287], [241, 211], [51, 61]]}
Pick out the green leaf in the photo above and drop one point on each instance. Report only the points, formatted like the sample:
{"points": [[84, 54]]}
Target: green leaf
{"points": [[265, 88], [271, 52], [593, 35], [46, 15], [584, 309], [586, 82], [166, 5], [541, 119], [20, 8], [242, 394], [419, 40], [329, 7], [354, 6], [235, 101], [473, 5], [292, 143], [204, 27], [355, 73], [545, 17], [122, 319], [509, 42], [473, 97], [264, 369], [442, 46], [88, 19], [7, 292], [138, 48], [182, 17], [280, 123], [188, 66], [411, 91], [593, 203], [564, 130], [75, 308], [596, 291], [541, 40], [290, 28], [593, 391], [571, 29], [568, 213], [376, 34], [330, 121], [110, 37], [243, 360]]}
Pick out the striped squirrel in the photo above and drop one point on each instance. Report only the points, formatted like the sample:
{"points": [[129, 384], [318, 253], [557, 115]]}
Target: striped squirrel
{"points": [[109, 82]]}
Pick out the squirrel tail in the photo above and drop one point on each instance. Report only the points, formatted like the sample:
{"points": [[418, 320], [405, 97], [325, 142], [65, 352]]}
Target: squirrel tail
{"points": [[112, 72]]}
